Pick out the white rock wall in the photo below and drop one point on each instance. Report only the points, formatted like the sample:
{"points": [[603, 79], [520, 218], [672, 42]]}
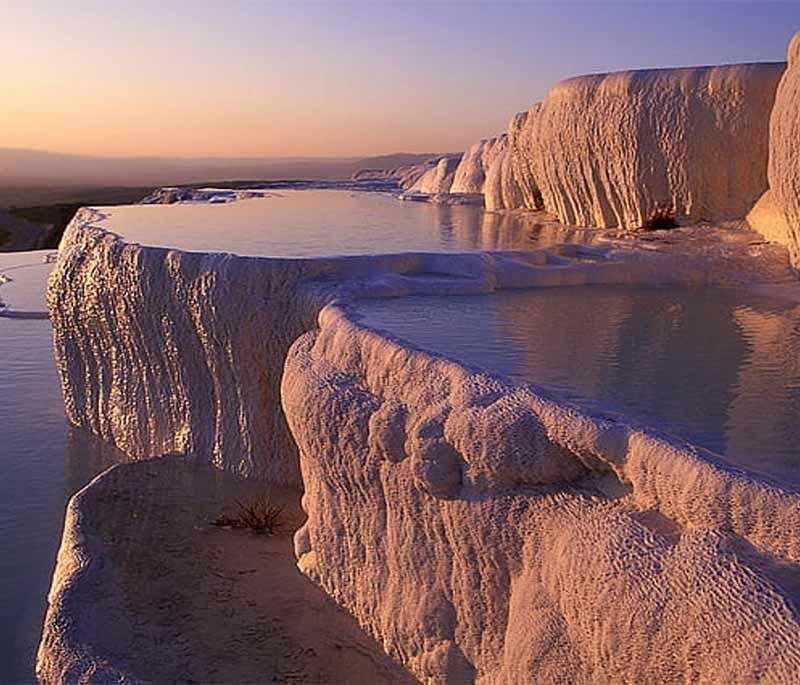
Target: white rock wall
{"points": [[784, 158], [501, 189], [163, 351], [606, 150], [471, 172], [438, 179], [483, 532]]}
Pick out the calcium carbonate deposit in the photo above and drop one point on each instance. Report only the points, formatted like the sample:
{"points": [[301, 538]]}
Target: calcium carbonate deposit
{"points": [[478, 528]]}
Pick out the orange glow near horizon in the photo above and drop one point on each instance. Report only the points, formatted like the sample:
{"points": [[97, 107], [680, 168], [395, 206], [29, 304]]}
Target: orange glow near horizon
{"points": [[328, 78]]}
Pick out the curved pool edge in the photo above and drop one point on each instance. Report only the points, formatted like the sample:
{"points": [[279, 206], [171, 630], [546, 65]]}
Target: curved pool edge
{"points": [[135, 326], [484, 531], [166, 351]]}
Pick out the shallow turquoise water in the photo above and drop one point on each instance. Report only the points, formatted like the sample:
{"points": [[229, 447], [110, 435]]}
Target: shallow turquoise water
{"points": [[718, 367]]}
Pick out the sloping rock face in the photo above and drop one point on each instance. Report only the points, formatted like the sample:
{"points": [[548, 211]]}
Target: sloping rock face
{"points": [[438, 179], [170, 366], [162, 351], [483, 532], [784, 157], [405, 176], [471, 172], [769, 219], [501, 189], [608, 150]]}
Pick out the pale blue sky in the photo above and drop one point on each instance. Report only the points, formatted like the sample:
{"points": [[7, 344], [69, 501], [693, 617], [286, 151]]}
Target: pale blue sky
{"points": [[332, 78]]}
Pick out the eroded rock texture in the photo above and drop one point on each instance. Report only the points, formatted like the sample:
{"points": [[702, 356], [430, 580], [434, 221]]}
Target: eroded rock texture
{"points": [[471, 172], [405, 176], [501, 189], [607, 150], [483, 532], [438, 179], [784, 158]]}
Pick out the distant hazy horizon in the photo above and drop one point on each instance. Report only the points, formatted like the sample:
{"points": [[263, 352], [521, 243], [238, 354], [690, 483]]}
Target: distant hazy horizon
{"points": [[248, 79]]}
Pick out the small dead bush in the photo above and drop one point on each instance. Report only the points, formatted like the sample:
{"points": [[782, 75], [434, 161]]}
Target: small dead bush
{"points": [[260, 516], [660, 219]]}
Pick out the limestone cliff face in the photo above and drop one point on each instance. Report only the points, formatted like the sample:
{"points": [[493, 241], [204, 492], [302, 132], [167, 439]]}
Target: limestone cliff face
{"points": [[607, 150], [164, 351], [445, 515], [784, 158], [405, 176], [471, 172], [438, 179], [501, 190]]}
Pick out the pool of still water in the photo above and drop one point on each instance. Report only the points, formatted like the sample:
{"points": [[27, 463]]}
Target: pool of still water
{"points": [[43, 462], [718, 367], [307, 223]]}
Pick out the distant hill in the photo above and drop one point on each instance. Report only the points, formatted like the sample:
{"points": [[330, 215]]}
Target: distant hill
{"points": [[26, 168]]}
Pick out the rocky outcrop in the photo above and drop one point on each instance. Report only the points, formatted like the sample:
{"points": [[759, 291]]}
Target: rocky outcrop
{"points": [[769, 220], [164, 597], [783, 222], [501, 189], [405, 176], [470, 175], [483, 532], [163, 351], [438, 179], [608, 150]]}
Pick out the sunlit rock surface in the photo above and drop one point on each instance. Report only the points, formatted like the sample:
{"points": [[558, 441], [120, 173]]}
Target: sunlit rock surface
{"points": [[474, 529], [165, 351], [607, 150], [501, 189], [146, 590], [484, 532], [405, 176], [768, 218], [437, 179], [784, 159], [471, 172]]}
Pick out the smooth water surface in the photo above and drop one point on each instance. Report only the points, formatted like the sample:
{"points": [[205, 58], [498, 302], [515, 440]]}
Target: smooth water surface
{"points": [[305, 223], [718, 367], [43, 462]]}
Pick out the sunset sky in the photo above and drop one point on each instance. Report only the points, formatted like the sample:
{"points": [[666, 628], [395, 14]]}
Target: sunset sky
{"points": [[330, 78]]}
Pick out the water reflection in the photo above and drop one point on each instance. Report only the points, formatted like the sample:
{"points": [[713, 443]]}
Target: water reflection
{"points": [[329, 222], [43, 462], [718, 367]]}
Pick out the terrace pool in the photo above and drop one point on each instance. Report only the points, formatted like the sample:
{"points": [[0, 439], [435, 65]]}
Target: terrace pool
{"points": [[718, 367], [310, 223]]}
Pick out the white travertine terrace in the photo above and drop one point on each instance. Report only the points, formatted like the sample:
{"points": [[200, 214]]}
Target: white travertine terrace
{"points": [[607, 150], [784, 160], [470, 175], [476, 529], [479, 530], [164, 351], [485, 532], [501, 189], [438, 179], [23, 276], [405, 176]]}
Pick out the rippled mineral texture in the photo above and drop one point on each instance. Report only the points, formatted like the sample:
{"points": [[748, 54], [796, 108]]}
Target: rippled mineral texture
{"points": [[483, 532], [784, 158], [438, 179], [608, 150], [471, 172]]}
